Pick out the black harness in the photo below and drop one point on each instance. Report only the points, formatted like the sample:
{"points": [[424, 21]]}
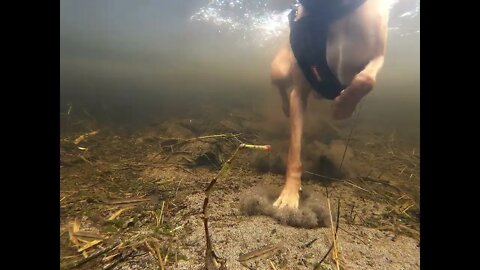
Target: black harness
{"points": [[308, 39]]}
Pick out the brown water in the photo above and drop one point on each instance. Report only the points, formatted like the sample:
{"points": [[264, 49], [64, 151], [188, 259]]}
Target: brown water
{"points": [[148, 75], [153, 56]]}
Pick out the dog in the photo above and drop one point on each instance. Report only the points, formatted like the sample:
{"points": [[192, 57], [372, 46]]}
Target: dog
{"points": [[336, 50]]}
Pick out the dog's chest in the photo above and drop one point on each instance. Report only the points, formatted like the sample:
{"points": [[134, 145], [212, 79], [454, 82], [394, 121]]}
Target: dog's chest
{"points": [[350, 46]]}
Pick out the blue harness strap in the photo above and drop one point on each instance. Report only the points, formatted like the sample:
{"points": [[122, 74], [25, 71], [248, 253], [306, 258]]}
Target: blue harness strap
{"points": [[308, 39]]}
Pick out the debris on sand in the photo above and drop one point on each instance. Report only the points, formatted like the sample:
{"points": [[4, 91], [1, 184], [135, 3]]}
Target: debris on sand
{"points": [[85, 136], [130, 201], [212, 260], [312, 212]]}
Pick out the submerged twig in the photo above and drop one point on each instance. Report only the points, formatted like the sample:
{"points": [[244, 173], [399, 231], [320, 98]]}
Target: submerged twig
{"points": [[85, 136], [363, 241], [160, 259], [89, 245], [126, 201], [212, 260], [349, 136], [261, 252], [310, 243], [324, 257], [335, 234], [119, 260], [177, 141], [340, 180], [85, 159], [272, 265], [93, 256], [118, 213], [161, 213]]}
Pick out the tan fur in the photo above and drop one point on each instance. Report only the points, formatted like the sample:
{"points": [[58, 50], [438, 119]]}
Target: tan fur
{"points": [[358, 38]]}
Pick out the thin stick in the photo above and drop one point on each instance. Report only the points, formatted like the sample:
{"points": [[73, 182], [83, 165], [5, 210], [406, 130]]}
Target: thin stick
{"points": [[335, 247], [122, 258], [161, 213], [93, 256], [176, 190], [350, 135], [335, 236], [126, 201], [86, 160], [176, 250], [353, 235], [160, 259], [271, 264], [310, 243], [341, 180], [324, 257], [211, 258], [216, 136], [166, 256], [258, 253]]}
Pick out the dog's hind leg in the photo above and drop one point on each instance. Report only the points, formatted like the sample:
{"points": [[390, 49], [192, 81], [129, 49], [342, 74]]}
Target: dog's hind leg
{"points": [[280, 75]]}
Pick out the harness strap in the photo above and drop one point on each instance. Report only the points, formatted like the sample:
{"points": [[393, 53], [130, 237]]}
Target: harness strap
{"points": [[308, 39]]}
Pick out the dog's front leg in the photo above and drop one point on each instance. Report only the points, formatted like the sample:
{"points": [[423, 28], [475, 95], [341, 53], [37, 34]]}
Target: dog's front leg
{"points": [[289, 197], [344, 105]]}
